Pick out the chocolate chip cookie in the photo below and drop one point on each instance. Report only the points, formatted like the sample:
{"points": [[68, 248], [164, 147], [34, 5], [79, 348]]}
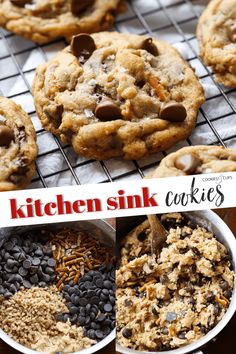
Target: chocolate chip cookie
{"points": [[44, 20], [18, 147], [113, 94], [195, 160], [216, 34]]}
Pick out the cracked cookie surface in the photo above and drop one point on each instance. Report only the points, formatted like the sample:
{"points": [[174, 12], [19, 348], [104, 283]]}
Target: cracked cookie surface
{"points": [[44, 20], [18, 148], [216, 33], [196, 160], [117, 95], [170, 300]]}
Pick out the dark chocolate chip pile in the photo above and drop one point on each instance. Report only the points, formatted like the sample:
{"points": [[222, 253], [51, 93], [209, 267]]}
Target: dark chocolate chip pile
{"points": [[25, 261], [91, 302]]}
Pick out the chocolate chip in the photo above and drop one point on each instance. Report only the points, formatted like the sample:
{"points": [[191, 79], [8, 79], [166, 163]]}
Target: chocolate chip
{"points": [[182, 335], [51, 262], [27, 264], [150, 47], [21, 3], [99, 334], [231, 31], [142, 236], [224, 285], [36, 261], [173, 112], [127, 333], [164, 330], [6, 135], [227, 294], [78, 6], [210, 297], [171, 316], [23, 272], [155, 310], [83, 45], [107, 111], [187, 163], [107, 308]]}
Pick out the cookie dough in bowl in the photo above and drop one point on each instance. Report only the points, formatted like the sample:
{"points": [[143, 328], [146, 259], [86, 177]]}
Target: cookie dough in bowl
{"points": [[198, 159], [117, 95], [61, 296], [18, 148], [44, 20], [180, 299], [216, 33]]}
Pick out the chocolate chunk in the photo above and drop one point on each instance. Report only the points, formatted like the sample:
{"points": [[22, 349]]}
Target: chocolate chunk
{"points": [[171, 316], [173, 112], [107, 111], [150, 47], [231, 31], [6, 135], [164, 330], [127, 333], [142, 236], [78, 6], [83, 45], [210, 297], [187, 163], [155, 310], [224, 285], [21, 3], [128, 303], [182, 335]]}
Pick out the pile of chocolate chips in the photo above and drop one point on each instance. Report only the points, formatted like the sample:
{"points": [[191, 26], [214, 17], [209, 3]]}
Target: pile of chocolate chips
{"points": [[91, 303], [25, 261]]}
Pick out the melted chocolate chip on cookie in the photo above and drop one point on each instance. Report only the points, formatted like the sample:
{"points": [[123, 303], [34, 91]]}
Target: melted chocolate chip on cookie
{"points": [[21, 3], [78, 6], [173, 112], [150, 47], [6, 135], [107, 111], [83, 45]]}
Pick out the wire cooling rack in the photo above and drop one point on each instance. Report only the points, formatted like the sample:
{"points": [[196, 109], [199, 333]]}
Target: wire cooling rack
{"points": [[170, 20]]}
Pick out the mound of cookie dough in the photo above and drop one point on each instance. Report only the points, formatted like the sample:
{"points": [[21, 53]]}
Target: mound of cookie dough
{"points": [[216, 34], [196, 160], [44, 20], [168, 301], [18, 148], [113, 94]]}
